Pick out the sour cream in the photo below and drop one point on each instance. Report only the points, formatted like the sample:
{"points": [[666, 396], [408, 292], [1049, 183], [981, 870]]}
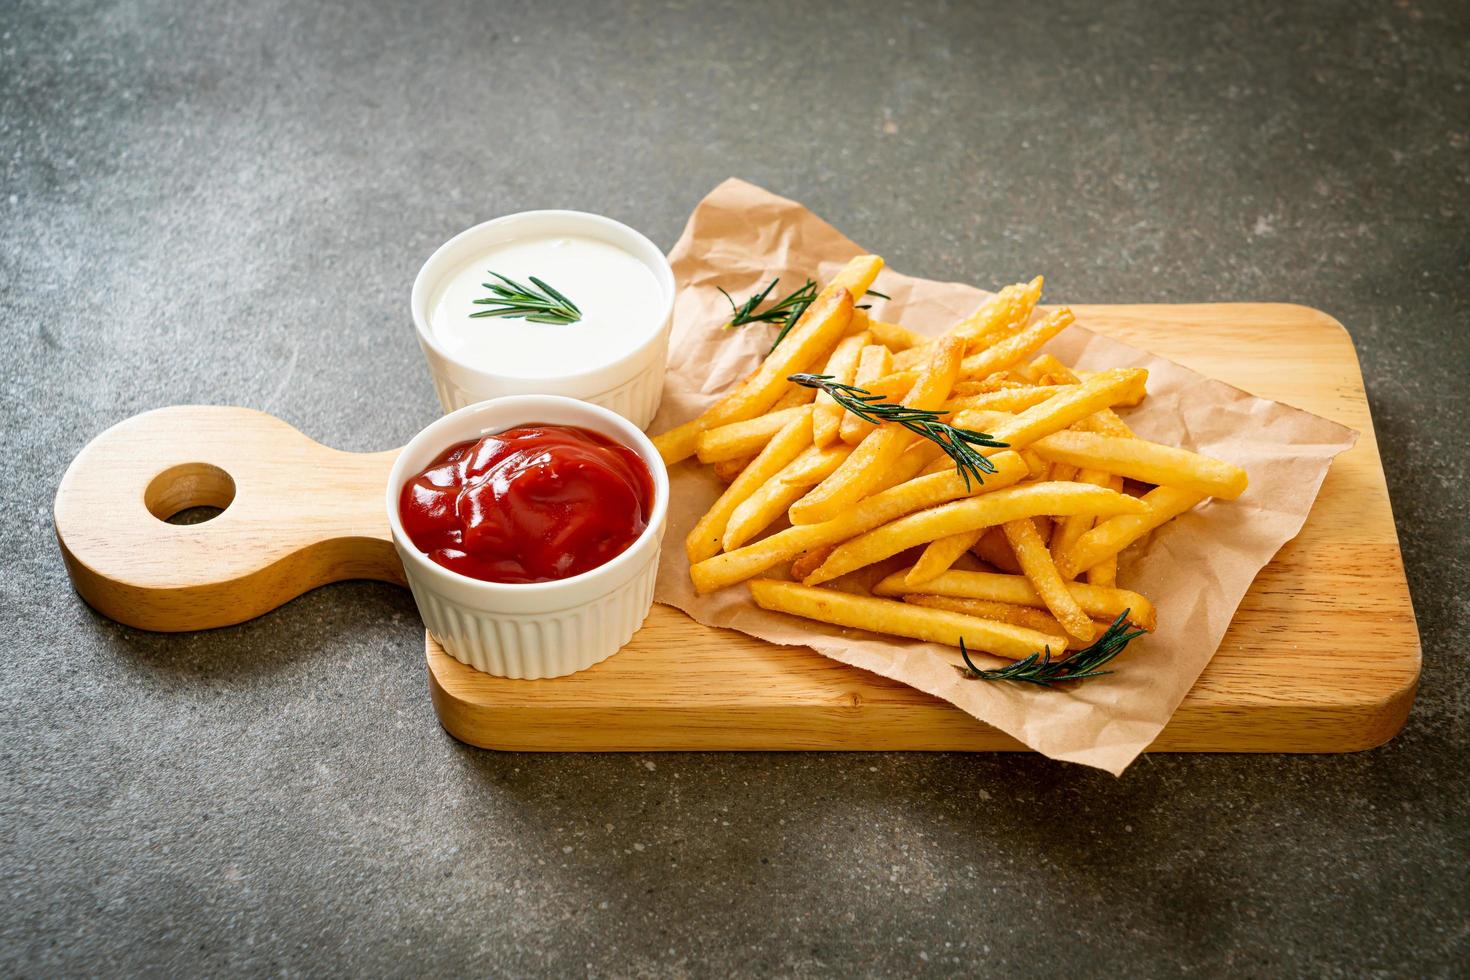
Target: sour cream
{"points": [[621, 301]]}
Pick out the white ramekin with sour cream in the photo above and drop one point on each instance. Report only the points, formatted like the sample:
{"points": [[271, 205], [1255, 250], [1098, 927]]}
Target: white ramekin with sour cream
{"points": [[542, 629], [614, 356]]}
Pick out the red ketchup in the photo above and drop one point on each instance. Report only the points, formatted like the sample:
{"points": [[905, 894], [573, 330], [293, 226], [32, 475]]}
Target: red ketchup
{"points": [[535, 503]]}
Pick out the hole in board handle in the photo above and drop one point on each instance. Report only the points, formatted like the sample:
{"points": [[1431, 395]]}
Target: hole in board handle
{"points": [[189, 487]]}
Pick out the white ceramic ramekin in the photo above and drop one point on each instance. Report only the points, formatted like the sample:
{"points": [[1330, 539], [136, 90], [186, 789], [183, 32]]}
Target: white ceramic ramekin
{"points": [[630, 386], [544, 629]]}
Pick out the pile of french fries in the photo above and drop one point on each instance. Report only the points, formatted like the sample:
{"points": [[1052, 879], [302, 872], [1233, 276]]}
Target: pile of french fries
{"points": [[1048, 523]]}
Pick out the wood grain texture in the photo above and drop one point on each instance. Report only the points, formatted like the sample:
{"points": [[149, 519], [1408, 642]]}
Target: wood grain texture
{"points": [[296, 515], [1323, 655]]}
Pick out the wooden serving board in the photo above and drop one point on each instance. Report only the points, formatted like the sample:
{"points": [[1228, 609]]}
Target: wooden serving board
{"points": [[1323, 655]]}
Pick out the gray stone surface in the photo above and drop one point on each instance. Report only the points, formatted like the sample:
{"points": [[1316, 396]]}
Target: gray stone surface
{"points": [[226, 203]]}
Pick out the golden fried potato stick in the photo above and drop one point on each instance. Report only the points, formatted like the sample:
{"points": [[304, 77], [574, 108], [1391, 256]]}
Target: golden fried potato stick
{"points": [[1015, 399], [809, 561], [925, 491], [1059, 411], [704, 540], [995, 550], [1106, 421], [727, 470], [901, 619], [1069, 529], [987, 385], [1103, 603], [795, 396], [874, 362], [987, 510], [1005, 612], [940, 555], [1037, 565], [1005, 312], [743, 438], [861, 472], [1105, 572], [758, 511], [680, 442], [896, 338], [1111, 536], [841, 366], [1016, 348], [1148, 462], [813, 336]]}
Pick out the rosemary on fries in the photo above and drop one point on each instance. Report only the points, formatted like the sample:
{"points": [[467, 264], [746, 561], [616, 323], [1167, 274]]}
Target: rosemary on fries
{"points": [[538, 303], [1041, 669], [785, 311], [955, 442]]}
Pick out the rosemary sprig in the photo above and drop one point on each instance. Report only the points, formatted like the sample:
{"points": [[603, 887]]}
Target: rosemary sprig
{"points": [[957, 443], [785, 311], [538, 303], [1041, 669]]}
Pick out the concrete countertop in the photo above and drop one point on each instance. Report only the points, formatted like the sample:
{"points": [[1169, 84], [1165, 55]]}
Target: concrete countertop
{"points": [[226, 203]]}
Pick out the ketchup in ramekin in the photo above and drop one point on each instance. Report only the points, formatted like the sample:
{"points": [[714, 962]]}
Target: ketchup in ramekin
{"points": [[536, 503]]}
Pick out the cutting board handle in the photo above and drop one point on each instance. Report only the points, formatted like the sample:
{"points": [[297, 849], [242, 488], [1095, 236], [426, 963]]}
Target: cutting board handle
{"points": [[295, 515]]}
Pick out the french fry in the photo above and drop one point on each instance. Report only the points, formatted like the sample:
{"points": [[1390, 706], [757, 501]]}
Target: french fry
{"points": [[757, 512], [993, 549], [896, 338], [705, 539], [1111, 536], [679, 442], [914, 459], [1069, 529], [1010, 504], [1145, 461], [809, 561], [1061, 410], [818, 330], [1104, 572], [841, 366], [1003, 313], [874, 362], [796, 395], [901, 619], [1106, 419], [1016, 348], [743, 438], [1037, 565], [857, 275], [987, 385], [861, 472], [925, 491], [815, 334], [1003, 400], [1107, 604], [893, 388], [1005, 612], [727, 470], [940, 555]]}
